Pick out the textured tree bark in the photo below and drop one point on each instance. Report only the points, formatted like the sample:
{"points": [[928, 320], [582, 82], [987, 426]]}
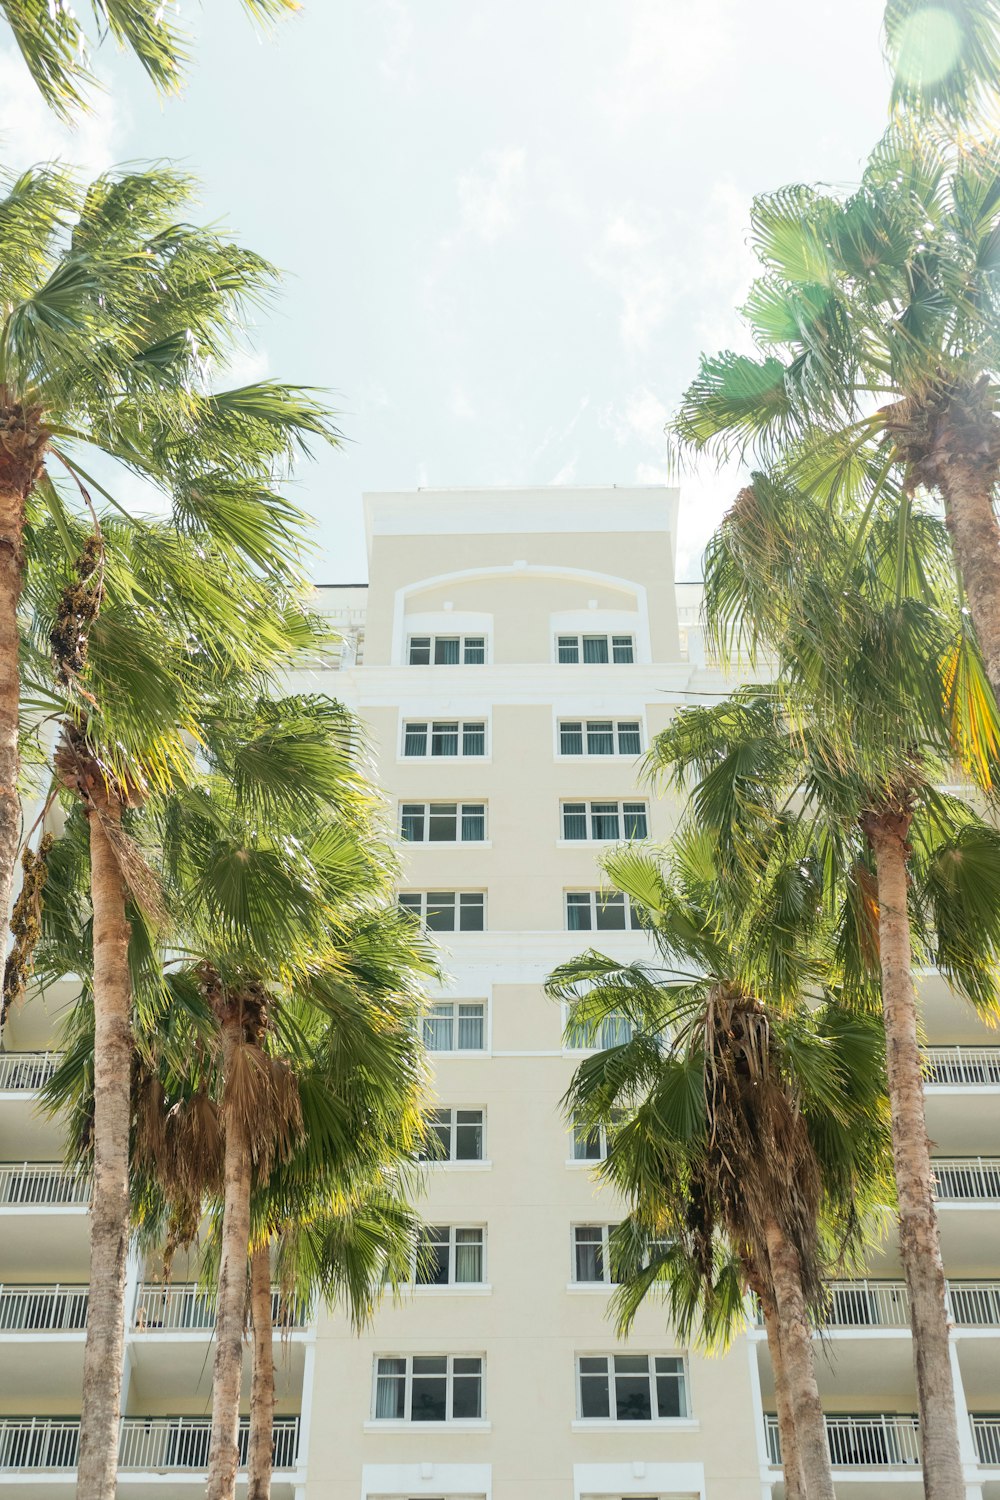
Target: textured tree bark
{"points": [[791, 1457], [799, 1363], [262, 1386], [223, 1457], [919, 1241], [11, 562], [968, 495], [109, 1209]]}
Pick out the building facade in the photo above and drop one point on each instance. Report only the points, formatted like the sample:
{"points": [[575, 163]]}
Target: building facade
{"points": [[512, 654]]}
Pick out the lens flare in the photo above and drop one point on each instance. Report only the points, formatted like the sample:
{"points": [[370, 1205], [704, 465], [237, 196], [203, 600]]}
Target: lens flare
{"points": [[929, 46]]}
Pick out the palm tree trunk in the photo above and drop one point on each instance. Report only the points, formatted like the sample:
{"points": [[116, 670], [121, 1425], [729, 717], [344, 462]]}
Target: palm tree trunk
{"points": [[975, 536], [798, 1361], [791, 1457], [223, 1457], [919, 1241], [262, 1387], [109, 1208], [11, 565]]}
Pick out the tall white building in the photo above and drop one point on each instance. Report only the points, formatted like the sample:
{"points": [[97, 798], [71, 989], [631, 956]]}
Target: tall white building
{"points": [[512, 655]]}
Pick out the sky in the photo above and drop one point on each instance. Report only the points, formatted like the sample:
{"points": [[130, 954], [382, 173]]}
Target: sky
{"points": [[507, 230]]}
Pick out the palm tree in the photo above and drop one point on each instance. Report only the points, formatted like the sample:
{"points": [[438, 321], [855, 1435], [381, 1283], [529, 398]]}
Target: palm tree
{"points": [[738, 1116], [877, 321], [945, 58], [114, 315], [879, 692], [53, 44]]}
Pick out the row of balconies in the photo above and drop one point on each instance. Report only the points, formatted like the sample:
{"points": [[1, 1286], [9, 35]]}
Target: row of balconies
{"points": [[882, 1440], [147, 1444], [177, 1307]]}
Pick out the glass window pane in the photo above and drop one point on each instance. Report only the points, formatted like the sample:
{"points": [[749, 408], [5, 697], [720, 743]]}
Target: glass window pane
{"points": [[411, 822], [586, 1144], [629, 738], [409, 901], [632, 1395], [420, 650], [439, 1027], [600, 737], [428, 1401], [471, 911], [471, 1028], [469, 1255], [390, 1389], [589, 1253], [635, 819], [615, 1031], [432, 1262], [438, 1146], [594, 1388], [474, 739], [467, 1390], [671, 1392], [604, 820], [441, 911], [610, 911], [475, 650], [568, 648], [469, 1135], [595, 648], [578, 917], [574, 820], [415, 739], [444, 739], [446, 650], [473, 822], [622, 647], [570, 738], [443, 822]]}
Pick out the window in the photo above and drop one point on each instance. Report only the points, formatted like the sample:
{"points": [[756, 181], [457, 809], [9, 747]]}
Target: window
{"points": [[446, 650], [600, 911], [429, 1388], [590, 1253], [450, 1256], [591, 1145], [442, 822], [455, 1026], [604, 821], [455, 1135], [446, 911], [445, 738], [595, 648], [611, 1031], [600, 737], [632, 1387]]}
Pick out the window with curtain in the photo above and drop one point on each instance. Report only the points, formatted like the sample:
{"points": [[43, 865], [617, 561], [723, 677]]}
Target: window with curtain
{"points": [[455, 1026], [455, 1135], [631, 1387], [442, 822], [590, 1143], [610, 1031], [446, 911], [590, 1252], [444, 739], [604, 821], [600, 737], [429, 1388], [446, 650], [595, 650], [451, 1255]]}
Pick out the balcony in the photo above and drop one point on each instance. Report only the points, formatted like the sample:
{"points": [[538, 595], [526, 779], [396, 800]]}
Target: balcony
{"points": [[876, 1440], [186, 1307], [40, 1445], [43, 1309], [967, 1179], [961, 1067], [45, 1222], [986, 1436], [26, 1072], [866, 1304], [38, 1184]]}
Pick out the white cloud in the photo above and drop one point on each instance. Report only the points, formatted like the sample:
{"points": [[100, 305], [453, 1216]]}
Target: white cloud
{"points": [[397, 28], [30, 132], [489, 199], [632, 260], [641, 417], [244, 367], [673, 48]]}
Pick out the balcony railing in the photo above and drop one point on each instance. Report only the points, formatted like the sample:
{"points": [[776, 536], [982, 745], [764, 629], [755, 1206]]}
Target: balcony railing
{"points": [[972, 1066], [26, 1072], [967, 1179], [184, 1307], [30, 1444], [986, 1436], [43, 1309], [39, 1184], [886, 1304], [872, 1441]]}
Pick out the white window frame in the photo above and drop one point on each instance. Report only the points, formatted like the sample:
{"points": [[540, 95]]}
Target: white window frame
{"points": [[612, 1419], [460, 810], [455, 1003], [464, 637], [424, 895], [575, 1131], [599, 1046], [449, 1420], [588, 804], [452, 1284], [462, 723], [609, 636], [615, 720], [453, 1111], [605, 1230], [597, 898]]}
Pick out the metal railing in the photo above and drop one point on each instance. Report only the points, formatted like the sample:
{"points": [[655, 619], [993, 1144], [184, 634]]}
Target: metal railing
{"points": [[40, 1184], [872, 1441], [974, 1304], [158, 1443], [886, 1304], [26, 1072], [967, 1179], [186, 1307], [43, 1309], [974, 1066], [986, 1436]]}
